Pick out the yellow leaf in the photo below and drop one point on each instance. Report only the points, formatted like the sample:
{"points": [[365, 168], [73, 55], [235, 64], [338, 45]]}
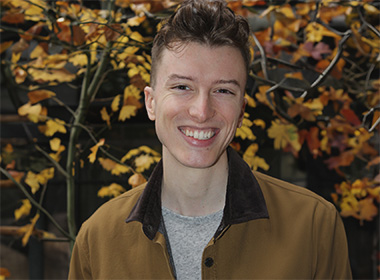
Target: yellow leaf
{"points": [[137, 37], [94, 150], [259, 122], [78, 59], [315, 105], [113, 190], [287, 11], [136, 180], [15, 57], [115, 103], [45, 175], [114, 167], [127, 111], [130, 154], [35, 11], [53, 126], [49, 235], [32, 181], [244, 132], [32, 111], [349, 206], [375, 193], [131, 90], [136, 21], [371, 9], [57, 155], [315, 32], [24, 210], [39, 95], [105, 116], [28, 229], [148, 150], [250, 101], [38, 52], [143, 162], [284, 134], [254, 161], [55, 143], [51, 75]]}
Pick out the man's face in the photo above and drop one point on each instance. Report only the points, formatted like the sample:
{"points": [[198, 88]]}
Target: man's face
{"points": [[197, 102]]}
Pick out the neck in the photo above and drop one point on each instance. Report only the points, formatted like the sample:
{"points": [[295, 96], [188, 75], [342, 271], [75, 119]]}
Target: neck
{"points": [[194, 191]]}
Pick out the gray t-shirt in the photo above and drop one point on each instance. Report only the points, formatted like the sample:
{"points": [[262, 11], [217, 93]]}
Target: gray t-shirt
{"points": [[188, 237]]}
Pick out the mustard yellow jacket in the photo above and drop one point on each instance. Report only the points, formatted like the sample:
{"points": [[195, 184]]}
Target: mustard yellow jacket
{"points": [[270, 230]]}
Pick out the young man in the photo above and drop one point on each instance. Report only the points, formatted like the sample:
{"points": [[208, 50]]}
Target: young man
{"points": [[203, 214]]}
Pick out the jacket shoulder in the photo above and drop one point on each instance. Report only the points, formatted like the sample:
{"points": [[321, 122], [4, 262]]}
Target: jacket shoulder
{"points": [[115, 210], [273, 187]]}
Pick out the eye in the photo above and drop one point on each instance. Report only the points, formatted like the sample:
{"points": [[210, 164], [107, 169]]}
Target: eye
{"points": [[225, 91], [181, 87]]}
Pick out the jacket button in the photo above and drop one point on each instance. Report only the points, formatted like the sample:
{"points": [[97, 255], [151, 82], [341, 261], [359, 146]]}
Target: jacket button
{"points": [[209, 262]]}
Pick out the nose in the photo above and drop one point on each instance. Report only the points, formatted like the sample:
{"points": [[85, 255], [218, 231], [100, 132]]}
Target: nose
{"points": [[201, 107]]}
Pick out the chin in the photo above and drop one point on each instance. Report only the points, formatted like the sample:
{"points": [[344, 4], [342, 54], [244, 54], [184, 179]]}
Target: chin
{"points": [[199, 161]]}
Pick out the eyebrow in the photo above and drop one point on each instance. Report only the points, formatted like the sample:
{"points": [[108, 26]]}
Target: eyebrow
{"points": [[217, 82], [180, 77], [233, 81]]}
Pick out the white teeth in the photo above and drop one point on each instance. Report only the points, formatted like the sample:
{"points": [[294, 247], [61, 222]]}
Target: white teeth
{"points": [[198, 134]]}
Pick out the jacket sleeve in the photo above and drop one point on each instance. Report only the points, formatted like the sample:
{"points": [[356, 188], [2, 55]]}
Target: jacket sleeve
{"points": [[332, 260], [79, 263]]}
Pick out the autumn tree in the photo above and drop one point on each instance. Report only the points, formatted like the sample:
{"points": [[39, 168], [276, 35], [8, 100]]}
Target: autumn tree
{"points": [[313, 89], [47, 44]]}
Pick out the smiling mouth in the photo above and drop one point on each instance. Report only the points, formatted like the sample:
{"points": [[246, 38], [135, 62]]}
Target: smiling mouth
{"points": [[198, 134]]}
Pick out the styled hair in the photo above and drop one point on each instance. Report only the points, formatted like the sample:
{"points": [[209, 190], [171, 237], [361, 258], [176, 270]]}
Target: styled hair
{"points": [[208, 22]]}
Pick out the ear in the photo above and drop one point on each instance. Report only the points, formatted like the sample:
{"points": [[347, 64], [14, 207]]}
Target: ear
{"points": [[150, 103], [241, 117]]}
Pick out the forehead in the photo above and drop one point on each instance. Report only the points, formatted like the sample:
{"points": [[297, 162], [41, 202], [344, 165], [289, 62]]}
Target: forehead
{"points": [[202, 62]]}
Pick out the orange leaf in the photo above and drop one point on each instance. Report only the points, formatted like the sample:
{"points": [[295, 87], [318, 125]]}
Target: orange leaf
{"points": [[20, 46], [113, 167], [4, 273], [312, 140], [367, 209], [112, 33], [375, 161], [136, 180], [39, 95], [13, 18], [5, 45], [350, 115], [344, 159], [295, 75], [78, 35]]}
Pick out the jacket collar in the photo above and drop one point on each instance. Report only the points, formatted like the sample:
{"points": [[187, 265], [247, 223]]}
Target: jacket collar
{"points": [[244, 199]]}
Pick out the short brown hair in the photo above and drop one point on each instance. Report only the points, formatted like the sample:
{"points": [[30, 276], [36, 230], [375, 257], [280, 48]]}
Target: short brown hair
{"points": [[208, 22]]}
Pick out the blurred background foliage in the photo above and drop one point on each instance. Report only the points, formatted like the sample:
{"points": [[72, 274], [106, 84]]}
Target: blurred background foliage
{"points": [[74, 132]]}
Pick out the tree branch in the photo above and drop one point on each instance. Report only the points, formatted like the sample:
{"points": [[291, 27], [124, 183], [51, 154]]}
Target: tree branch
{"points": [[331, 65], [37, 205]]}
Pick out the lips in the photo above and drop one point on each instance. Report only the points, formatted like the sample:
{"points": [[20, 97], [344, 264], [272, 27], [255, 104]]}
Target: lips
{"points": [[198, 134]]}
